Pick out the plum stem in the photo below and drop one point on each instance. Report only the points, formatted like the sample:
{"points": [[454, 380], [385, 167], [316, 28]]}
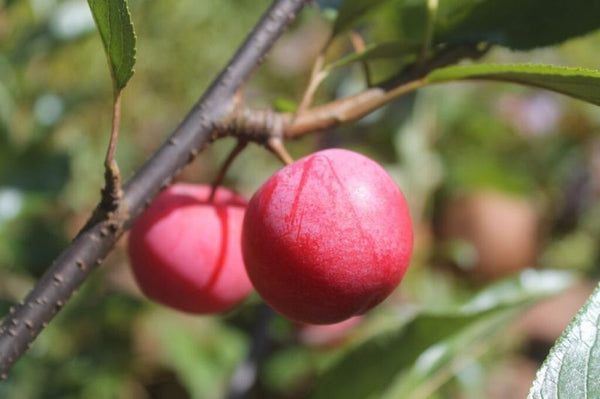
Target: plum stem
{"points": [[276, 146], [239, 147]]}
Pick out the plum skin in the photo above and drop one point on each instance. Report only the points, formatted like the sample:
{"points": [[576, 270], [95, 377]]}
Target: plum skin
{"points": [[327, 237], [185, 251]]}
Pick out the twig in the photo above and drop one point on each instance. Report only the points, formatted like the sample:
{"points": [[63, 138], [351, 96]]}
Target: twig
{"points": [[359, 46], [112, 193], [354, 107], [244, 376], [239, 147], [86, 252], [276, 146], [347, 109], [317, 75]]}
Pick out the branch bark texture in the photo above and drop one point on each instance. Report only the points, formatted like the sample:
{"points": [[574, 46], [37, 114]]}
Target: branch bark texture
{"points": [[88, 249]]}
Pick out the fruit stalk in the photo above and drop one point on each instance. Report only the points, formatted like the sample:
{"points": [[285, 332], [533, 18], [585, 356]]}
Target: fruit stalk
{"points": [[239, 147]]}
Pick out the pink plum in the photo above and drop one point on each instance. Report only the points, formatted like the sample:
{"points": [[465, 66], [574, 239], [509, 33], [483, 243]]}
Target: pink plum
{"points": [[185, 250], [327, 237]]}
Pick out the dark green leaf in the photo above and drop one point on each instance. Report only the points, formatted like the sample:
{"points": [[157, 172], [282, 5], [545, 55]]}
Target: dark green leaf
{"points": [[583, 84], [369, 370], [37, 170], [572, 369], [518, 24], [352, 11], [116, 30]]}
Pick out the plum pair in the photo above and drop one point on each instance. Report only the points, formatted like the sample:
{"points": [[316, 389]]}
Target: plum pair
{"points": [[323, 239]]}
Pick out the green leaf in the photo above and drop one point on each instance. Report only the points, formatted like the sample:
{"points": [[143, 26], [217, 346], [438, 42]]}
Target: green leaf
{"points": [[282, 104], [370, 369], [114, 23], [375, 367], [353, 11], [518, 24], [583, 84], [444, 359], [572, 369], [406, 52], [201, 351]]}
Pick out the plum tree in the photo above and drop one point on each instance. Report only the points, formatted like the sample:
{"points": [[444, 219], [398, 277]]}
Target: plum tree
{"points": [[327, 237], [185, 249]]}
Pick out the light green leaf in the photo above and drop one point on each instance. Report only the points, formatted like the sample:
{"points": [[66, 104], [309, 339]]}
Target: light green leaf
{"points": [[583, 84], [282, 104], [114, 23], [406, 52], [572, 369], [353, 11], [443, 360], [379, 365]]}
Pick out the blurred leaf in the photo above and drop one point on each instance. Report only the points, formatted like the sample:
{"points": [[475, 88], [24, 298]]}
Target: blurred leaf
{"points": [[287, 368], [575, 251], [441, 361], [202, 352], [352, 11], [37, 170], [572, 369], [482, 171], [44, 234], [529, 285], [282, 104], [580, 83], [116, 30], [370, 369], [518, 24], [395, 49]]}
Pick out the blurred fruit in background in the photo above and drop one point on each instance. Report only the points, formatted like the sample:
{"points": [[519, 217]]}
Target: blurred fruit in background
{"points": [[490, 234]]}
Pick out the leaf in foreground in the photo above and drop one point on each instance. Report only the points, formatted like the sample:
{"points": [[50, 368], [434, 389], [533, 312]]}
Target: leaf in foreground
{"points": [[517, 24], [114, 23], [572, 369], [401, 360]]}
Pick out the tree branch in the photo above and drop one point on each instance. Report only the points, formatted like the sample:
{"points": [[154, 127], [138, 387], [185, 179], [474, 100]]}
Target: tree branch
{"points": [[85, 253], [354, 107]]}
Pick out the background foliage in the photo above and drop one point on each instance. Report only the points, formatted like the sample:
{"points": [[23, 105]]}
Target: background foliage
{"points": [[506, 161]]}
